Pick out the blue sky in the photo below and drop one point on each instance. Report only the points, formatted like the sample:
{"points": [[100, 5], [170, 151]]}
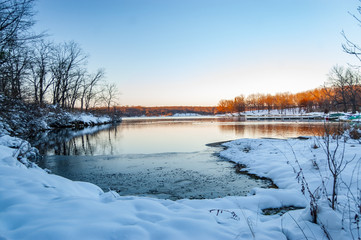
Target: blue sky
{"points": [[196, 52]]}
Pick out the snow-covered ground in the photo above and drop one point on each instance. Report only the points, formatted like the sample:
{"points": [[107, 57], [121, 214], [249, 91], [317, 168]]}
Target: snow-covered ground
{"points": [[66, 119], [90, 119], [295, 114], [290, 111], [37, 205], [282, 160], [26, 120]]}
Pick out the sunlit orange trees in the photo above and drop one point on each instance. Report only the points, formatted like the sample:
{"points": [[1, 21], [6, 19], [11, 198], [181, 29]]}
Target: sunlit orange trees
{"points": [[226, 106], [342, 92], [319, 99]]}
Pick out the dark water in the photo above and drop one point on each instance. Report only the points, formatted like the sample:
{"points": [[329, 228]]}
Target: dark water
{"points": [[164, 158]]}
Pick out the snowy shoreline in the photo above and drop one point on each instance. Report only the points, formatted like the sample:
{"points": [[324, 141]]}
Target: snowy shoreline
{"points": [[38, 205], [80, 121]]}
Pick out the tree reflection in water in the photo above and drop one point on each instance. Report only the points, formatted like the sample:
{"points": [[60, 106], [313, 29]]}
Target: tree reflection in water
{"points": [[76, 142], [152, 136], [274, 129], [167, 158]]}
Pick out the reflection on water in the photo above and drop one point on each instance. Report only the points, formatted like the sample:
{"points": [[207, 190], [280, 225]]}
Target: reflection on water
{"points": [[165, 159], [273, 129], [153, 136], [73, 142]]}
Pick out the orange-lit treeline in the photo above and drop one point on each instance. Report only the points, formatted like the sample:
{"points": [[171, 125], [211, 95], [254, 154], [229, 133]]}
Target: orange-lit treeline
{"points": [[319, 99], [342, 92], [128, 111]]}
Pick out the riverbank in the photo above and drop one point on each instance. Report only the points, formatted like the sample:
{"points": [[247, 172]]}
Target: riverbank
{"points": [[25, 120], [301, 165], [38, 205], [287, 115], [296, 115]]}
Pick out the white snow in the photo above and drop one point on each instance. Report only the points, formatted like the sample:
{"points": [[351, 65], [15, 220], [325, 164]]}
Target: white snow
{"points": [[297, 112], [288, 111], [38, 205], [90, 119], [277, 159], [186, 115]]}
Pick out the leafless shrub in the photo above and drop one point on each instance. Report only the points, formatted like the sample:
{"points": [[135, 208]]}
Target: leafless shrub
{"points": [[353, 206], [335, 156], [305, 188]]}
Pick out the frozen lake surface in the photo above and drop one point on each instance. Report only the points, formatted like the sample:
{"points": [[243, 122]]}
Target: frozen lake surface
{"points": [[162, 157]]}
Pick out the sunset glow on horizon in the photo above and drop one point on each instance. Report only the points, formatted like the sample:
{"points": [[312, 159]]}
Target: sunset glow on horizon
{"points": [[173, 53]]}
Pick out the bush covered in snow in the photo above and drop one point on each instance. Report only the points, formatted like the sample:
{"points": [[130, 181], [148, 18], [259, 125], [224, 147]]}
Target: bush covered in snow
{"points": [[18, 118]]}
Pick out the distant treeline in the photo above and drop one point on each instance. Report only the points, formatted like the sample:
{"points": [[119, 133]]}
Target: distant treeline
{"points": [[341, 92], [127, 111]]}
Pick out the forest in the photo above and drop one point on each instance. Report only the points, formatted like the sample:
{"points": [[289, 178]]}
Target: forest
{"points": [[341, 92], [164, 111], [37, 70]]}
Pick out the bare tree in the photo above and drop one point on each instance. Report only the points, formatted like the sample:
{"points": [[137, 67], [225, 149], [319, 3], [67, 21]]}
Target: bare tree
{"points": [[338, 81], [62, 68], [14, 71], [349, 46], [239, 104], [346, 87], [353, 89], [110, 95], [40, 78], [48, 69], [269, 102], [67, 60], [252, 101], [225, 106], [283, 101], [89, 88], [16, 19], [335, 156], [74, 92]]}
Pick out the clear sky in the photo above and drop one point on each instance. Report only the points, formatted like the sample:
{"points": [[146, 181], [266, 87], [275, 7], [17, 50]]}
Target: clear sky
{"points": [[196, 52]]}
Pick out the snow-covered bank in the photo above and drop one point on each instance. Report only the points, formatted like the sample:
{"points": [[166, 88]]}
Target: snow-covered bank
{"points": [[77, 120], [296, 114], [22, 119], [38, 205], [286, 162]]}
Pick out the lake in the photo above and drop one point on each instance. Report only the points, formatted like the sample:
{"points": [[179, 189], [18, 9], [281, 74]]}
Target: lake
{"points": [[161, 157]]}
